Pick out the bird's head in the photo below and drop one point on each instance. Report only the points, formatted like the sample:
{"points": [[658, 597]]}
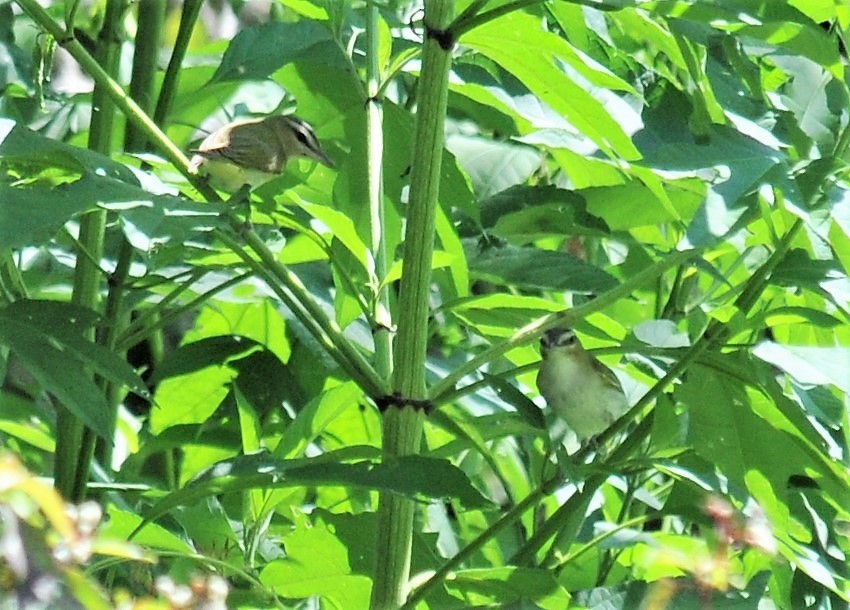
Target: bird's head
{"points": [[298, 139], [559, 339]]}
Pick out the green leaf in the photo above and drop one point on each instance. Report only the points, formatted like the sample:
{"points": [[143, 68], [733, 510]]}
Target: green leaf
{"points": [[539, 269], [121, 524], [739, 431], [737, 163], [493, 166], [32, 214], [527, 212], [634, 204], [521, 46], [491, 312], [15, 63], [206, 352], [528, 411], [258, 52], [190, 398], [453, 247], [307, 8], [319, 563], [798, 268], [809, 365], [50, 339], [313, 418], [508, 585], [29, 153], [341, 228], [414, 476]]}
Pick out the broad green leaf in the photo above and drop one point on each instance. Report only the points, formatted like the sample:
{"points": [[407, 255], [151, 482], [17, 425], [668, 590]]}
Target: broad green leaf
{"points": [[313, 418], [527, 212], [16, 421], [417, 477], [792, 315], [642, 26], [242, 315], [519, 44], [331, 556], [738, 163], [506, 585], [633, 205], [738, 431], [308, 8], [542, 269], [122, 523], [340, 227], [798, 268], [453, 248], [29, 153], [200, 354], [256, 53], [33, 214], [809, 365], [15, 63], [190, 398], [50, 339], [491, 312], [493, 166], [208, 525], [319, 563]]}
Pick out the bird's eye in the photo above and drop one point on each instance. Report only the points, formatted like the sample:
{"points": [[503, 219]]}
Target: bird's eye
{"points": [[302, 137]]}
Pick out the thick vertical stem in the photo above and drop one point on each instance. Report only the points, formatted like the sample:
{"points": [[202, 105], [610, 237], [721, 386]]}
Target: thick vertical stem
{"points": [[75, 445], [402, 422], [151, 19], [191, 9]]}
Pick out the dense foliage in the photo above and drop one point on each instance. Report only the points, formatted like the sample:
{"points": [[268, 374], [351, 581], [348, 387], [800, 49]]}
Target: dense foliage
{"points": [[669, 178]]}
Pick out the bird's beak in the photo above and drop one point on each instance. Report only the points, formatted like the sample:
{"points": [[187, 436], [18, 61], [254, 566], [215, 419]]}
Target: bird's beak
{"points": [[321, 157]]}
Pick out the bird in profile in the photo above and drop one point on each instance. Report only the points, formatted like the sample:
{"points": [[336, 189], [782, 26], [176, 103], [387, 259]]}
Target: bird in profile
{"points": [[253, 151], [580, 390]]}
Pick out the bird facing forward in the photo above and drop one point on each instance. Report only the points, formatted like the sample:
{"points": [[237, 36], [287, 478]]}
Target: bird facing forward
{"points": [[577, 387]]}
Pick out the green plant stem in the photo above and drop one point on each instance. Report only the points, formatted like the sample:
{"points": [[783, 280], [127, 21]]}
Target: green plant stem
{"points": [[191, 9], [472, 19], [295, 296], [116, 319], [402, 424], [381, 315], [155, 319], [151, 19], [12, 285]]}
